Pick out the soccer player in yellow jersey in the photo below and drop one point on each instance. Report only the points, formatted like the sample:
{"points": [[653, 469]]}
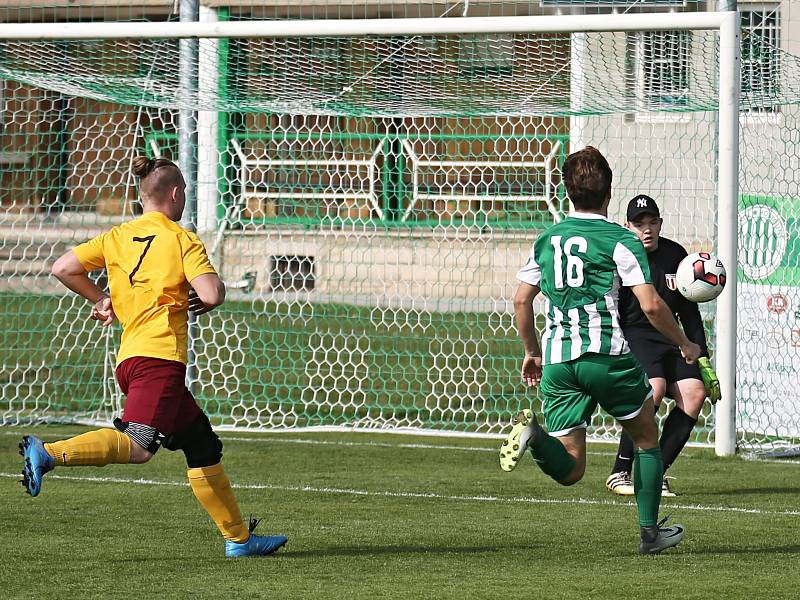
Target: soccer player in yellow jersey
{"points": [[152, 265]]}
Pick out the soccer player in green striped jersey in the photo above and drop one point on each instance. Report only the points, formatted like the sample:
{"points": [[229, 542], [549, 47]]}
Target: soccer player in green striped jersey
{"points": [[583, 360]]}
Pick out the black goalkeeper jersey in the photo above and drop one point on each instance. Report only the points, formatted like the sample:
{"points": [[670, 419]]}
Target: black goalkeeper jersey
{"points": [[663, 264]]}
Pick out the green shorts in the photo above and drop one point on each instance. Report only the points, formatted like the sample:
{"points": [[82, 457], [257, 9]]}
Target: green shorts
{"points": [[572, 390]]}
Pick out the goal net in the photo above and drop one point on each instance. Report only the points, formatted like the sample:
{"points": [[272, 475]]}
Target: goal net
{"points": [[369, 198]]}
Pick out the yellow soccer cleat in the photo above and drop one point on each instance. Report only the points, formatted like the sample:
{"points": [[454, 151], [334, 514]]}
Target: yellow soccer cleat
{"points": [[517, 441]]}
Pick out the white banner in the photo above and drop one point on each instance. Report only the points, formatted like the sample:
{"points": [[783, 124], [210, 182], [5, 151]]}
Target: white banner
{"points": [[768, 357]]}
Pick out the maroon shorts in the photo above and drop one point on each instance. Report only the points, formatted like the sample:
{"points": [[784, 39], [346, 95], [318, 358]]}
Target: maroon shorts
{"points": [[156, 394]]}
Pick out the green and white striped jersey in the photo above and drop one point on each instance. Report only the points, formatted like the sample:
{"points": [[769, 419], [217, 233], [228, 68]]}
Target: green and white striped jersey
{"points": [[579, 264]]}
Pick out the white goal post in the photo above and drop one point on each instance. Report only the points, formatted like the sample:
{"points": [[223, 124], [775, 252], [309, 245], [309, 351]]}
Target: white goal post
{"points": [[726, 23]]}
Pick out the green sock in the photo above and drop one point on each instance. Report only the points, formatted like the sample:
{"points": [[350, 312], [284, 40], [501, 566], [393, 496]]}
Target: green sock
{"points": [[551, 456], [648, 471]]}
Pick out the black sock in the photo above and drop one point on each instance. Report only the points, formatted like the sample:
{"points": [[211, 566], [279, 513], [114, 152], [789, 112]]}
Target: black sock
{"points": [[675, 434], [624, 460]]}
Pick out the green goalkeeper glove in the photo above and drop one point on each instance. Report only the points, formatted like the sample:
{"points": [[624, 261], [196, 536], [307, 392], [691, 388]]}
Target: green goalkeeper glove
{"points": [[710, 380]]}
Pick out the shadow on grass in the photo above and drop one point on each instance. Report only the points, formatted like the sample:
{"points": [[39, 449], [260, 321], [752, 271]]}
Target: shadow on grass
{"points": [[334, 551], [791, 549], [760, 490], [389, 550]]}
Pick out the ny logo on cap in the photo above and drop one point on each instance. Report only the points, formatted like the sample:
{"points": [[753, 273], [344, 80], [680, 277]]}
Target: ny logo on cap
{"points": [[641, 203]]}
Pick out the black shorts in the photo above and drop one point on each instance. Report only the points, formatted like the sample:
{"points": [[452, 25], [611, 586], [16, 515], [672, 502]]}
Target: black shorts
{"points": [[659, 358]]}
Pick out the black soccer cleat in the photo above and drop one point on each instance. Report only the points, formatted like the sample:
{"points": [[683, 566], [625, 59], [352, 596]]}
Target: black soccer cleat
{"points": [[658, 538]]}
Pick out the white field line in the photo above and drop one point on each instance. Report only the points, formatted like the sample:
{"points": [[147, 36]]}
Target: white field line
{"points": [[379, 445], [430, 447], [310, 442], [425, 495], [437, 447]]}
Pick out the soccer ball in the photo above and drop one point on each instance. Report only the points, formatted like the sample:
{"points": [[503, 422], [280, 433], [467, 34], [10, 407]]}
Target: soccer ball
{"points": [[700, 277]]}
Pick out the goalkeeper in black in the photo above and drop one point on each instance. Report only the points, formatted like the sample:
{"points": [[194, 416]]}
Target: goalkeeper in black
{"points": [[669, 374]]}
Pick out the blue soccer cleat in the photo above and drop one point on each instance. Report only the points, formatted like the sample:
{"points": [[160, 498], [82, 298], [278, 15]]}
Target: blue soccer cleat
{"points": [[256, 545], [37, 463]]}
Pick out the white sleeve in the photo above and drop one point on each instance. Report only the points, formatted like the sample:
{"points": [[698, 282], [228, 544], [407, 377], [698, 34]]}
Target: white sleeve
{"points": [[530, 273], [628, 266]]}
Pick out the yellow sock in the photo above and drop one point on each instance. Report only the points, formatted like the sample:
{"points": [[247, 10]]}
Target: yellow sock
{"points": [[212, 488], [94, 448]]}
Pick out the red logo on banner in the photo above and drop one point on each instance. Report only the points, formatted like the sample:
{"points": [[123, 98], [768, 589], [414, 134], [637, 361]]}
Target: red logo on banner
{"points": [[670, 279], [777, 303]]}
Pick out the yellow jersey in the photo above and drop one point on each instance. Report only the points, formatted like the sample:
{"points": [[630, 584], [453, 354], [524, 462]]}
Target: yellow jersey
{"points": [[150, 262]]}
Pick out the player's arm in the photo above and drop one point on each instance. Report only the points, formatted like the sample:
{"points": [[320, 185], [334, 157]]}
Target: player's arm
{"points": [[526, 327], [634, 272], [689, 315], [69, 270], [692, 322], [660, 316], [687, 311], [209, 293]]}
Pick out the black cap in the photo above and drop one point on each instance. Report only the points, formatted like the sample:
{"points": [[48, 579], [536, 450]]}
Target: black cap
{"points": [[641, 205]]}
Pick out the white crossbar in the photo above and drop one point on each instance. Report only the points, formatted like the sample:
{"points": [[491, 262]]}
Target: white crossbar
{"points": [[362, 27]]}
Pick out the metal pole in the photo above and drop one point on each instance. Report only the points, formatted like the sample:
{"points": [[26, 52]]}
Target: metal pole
{"points": [[187, 148], [208, 151], [727, 229], [578, 123]]}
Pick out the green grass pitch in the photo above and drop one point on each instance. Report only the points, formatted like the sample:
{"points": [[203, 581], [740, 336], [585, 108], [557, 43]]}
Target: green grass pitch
{"points": [[388, 516]]}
